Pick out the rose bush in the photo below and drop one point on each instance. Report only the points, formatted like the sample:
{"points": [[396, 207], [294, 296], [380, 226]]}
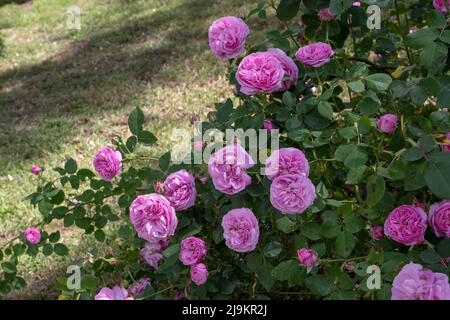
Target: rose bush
{"points": [[364, 132]]}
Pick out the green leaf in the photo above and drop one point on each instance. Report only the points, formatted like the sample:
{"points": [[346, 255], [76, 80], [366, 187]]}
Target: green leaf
{"points": [[357, 86], [146, 137], [88, 282], [444, 248], [412, 154], [353, 223], [421, 38], [437, 177], [330, 229], [288, 9], [355, 175], [286, 225], [433, 57], [9, 267], [54, 237], [379, 81], [348, 133], [60, 249], [429, 256], [282, 271], [320, 284], [47, 249], [368, 106], [136, 120], [99, 235], [325, 110], [311, 230], [164, 161], [71, 166], [171, 250], [272, 249], [375, 190], [265, 275], [345, 243]]}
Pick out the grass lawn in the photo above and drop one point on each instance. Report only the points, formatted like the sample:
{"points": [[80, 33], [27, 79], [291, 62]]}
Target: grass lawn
{"points": [[65, 92]]}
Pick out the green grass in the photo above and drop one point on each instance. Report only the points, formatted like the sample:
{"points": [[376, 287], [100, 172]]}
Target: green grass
{"points": [[65, 92]]}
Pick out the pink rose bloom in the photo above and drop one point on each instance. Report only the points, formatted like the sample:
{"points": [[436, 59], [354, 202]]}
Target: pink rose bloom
{"points": [[260, 72], [159, 187], [439, 218], [413, 29], [286, 161], [441, 5], [192, 250], [387, 123], [325, 14], [377, 232], [153, 217], [414, 282], [116, 293], [227, 168], [179, 189], [292, 193], [289, 67], [240, 230], [35, 169], [199, 274], [406, 224], [151, 253], [198, 145], [227, 37], [375, 56], [356, 4], [315, 54], [268, 125], [195, 118], [202, 180], [108, 163], [138, 288], [32, 235], [446, 147], [307, 258]]}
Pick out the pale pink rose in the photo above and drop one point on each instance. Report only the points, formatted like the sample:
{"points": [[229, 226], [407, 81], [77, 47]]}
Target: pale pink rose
{"points": [[199, 274], [108, 163], [240, 230], [35, 169], [414, 282], [138, 288], [289, 67], [307, 258], [153, 217], [406, 224], [292, 193], [286, 161], [439, 218], [315, 54], [260, 72], [227, 168], [159, 187], [227, 37], [192, 250], [151, 253], [377, 232], [116, 293], [387, 123], [356, 4], [446, 146], [325, 14], [198, 145], [179, 189], [32, 235], [268, 125], [441, 5]]}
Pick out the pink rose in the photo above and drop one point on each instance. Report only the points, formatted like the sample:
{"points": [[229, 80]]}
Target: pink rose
{"points": [[315, 54], [414, 282], [413, 29], [153, 217], [227, 37], [240, 230], [108, 163], [325, 14], [260, 72], [356, 4], [286, 161], [268, 125], [387, 123], [227, 168], [192, 250], [199, 274], [159, 187], [138, 288], [292, 193], [377, 232], [32, 235], [116, 293], [35, 169], [151, 253], [289, 67], [374, 57], [406, 224], [195, 118], [439, 218], [307, 258], [198, 145], [441, 5], [179, 189], [446, 146]]}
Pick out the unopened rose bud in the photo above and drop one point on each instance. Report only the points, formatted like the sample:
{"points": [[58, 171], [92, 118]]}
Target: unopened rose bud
{"points": [[35, 169], [268, 125], [159, 187], [307, 258]]}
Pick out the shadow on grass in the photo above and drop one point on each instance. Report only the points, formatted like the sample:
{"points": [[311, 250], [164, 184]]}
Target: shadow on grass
{"points": [[105, 71]]}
